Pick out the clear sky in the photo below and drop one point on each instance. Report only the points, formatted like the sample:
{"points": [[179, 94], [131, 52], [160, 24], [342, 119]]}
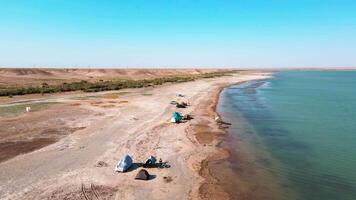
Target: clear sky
{"points": [[178, 33]]}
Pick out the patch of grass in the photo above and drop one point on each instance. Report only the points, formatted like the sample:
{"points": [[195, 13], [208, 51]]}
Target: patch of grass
{"points": [[107, 106], [80, 98], [96, 102], [83, 97], [122, 93], [75, 104], [15, 110], [111, 96], [147, 94]]}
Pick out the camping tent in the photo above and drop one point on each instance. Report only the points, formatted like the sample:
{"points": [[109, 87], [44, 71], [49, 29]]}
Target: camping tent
{"points": [[176, 117], [124, 164], [150, 162], [143, 175]]}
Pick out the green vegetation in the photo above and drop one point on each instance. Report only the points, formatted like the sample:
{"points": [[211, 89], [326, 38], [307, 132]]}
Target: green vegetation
{"points": [[15, 110], [107, 85]]}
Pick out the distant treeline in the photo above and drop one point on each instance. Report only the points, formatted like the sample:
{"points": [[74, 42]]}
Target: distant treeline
{"points": [[101, 85]]}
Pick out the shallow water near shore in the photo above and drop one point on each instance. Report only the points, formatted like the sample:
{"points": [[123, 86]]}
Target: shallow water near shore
{"points": [[293, 136]]}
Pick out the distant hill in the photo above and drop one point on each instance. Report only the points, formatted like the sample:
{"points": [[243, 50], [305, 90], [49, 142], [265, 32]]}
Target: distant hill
{"points": [[10, 77]]}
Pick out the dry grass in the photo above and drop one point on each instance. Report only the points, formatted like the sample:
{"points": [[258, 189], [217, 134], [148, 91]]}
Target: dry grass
{"points": [[96, 103], [108, 106], [75, 104], [111, 96]]}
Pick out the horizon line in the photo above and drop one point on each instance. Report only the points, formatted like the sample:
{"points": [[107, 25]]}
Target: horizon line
{"points": [[178, 67]]}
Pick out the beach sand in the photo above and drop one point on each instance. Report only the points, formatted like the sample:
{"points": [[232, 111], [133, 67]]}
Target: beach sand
{"points": [[80, 163]]}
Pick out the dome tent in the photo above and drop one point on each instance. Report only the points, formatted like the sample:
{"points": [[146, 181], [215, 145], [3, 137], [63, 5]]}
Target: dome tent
{"points": [[143, 175], [176, 117], [124, 164]]}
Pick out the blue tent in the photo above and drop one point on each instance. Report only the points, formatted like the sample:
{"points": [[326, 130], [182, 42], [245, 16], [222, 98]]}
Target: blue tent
{"points": [[176, 117], [124, 164]]}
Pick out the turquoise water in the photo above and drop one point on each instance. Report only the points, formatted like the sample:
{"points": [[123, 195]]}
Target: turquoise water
{"points": [[306, 121]]}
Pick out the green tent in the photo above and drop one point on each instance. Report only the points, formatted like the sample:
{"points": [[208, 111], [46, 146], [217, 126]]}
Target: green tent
{"points": [[176, 117]]}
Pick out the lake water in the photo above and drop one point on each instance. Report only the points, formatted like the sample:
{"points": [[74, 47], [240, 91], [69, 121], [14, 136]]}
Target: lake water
{"points": [[300, 127]]}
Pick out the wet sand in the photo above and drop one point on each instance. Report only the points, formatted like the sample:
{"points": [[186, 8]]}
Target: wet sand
{"points": [[233, 168], [244, 172], [212, 188]]}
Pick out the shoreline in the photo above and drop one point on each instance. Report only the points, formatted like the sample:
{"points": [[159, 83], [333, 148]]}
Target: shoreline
{"points": [[210, 134]]}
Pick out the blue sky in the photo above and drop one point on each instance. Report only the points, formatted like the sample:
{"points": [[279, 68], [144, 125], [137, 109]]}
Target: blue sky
{"points": [[178, 33]]}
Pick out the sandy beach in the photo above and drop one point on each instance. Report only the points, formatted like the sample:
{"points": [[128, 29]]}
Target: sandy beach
{"points": [[88, 133]]}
